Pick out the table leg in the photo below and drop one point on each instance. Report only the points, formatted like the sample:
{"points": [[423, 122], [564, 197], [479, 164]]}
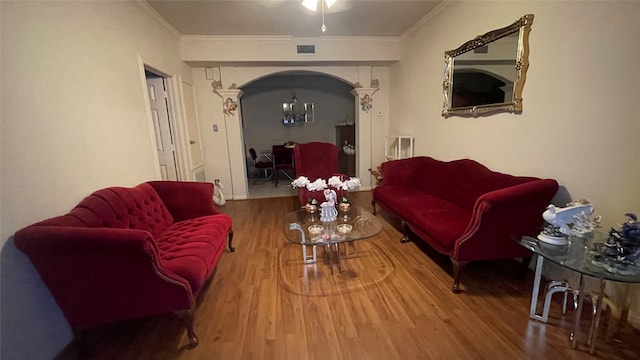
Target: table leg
{"points": [[309, 258], [536, 288], [330, 255], [576, 319], [593, 331], [552, 288], [338, 257], [624, 312], [305, 272]]}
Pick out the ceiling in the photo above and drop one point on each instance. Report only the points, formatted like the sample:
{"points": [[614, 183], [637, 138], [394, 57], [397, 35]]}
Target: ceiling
{"points": [[289, 17]]}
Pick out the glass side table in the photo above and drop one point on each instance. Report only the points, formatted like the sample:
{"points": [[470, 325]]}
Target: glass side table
{"points": [[577, 255]]}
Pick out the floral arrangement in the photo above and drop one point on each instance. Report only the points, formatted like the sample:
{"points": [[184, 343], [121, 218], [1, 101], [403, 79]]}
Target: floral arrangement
{"points": [[321, 184]]}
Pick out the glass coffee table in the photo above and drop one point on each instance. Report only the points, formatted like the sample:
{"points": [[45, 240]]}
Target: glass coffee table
{"points": [[577, 255], [305, 229]]}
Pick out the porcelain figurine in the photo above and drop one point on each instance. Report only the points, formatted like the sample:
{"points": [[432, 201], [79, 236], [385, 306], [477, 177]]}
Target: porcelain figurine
{"points": [[328, 211], [620, 253], [572, 220], [576, 215]]}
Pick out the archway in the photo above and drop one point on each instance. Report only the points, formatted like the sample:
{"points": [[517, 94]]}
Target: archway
{"points": [[329, 117], [352, 75]]}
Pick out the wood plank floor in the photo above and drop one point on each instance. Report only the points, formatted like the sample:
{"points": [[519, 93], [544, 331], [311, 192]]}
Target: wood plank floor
{"points": [[392, 301]]}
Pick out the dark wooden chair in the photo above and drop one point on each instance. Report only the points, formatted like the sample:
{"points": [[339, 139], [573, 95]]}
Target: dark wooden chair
{"points": [[265, 164], [282, 161]]}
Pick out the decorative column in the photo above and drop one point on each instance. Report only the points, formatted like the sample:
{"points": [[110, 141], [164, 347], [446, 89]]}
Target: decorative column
{"points": [[231, 110], [364, 141]]}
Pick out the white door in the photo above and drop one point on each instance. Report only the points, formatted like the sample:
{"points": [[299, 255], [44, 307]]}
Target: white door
{"points": [[193, 130], [162, 126]]}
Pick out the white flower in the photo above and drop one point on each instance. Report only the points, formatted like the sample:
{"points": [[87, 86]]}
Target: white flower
{"points": [[335, 182], [300, 182], [351, 184], [319, 184]]}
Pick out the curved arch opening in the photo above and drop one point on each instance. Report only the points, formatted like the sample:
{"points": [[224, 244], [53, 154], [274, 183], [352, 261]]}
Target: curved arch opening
{"points": [[263, 124], [296, 73]]}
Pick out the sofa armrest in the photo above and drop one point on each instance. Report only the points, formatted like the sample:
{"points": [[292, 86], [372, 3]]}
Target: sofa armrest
{"points": [[186, 200], [59, 240], [498, 214], [99, 275]]}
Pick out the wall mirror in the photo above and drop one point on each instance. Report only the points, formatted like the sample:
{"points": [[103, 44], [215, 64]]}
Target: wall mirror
{"points": [[487, 73]]}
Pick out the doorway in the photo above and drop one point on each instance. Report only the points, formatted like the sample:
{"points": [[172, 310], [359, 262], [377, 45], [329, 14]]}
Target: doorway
{"points": [[163, 124], [264, 124]]}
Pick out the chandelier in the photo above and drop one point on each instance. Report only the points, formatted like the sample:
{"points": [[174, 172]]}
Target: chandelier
{"points": [[313, 6]]}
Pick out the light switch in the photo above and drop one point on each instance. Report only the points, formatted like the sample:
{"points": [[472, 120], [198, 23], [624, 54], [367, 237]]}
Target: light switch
{"points": [[215, 127]]}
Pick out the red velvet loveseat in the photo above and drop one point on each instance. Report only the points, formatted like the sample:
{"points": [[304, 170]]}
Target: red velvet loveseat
{"points": [[125, 253], [461, 208]]}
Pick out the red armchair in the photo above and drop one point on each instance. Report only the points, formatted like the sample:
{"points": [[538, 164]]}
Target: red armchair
{"points": [[125, 253], [315, 160]]}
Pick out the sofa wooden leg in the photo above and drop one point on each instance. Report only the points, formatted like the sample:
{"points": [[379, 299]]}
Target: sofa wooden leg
{"points": [[231, 248], [524, 267], [373, 205], [187, 318], [405, 231], [457, 269]]}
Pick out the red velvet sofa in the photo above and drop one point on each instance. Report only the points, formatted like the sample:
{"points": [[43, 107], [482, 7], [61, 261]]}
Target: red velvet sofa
{"points": [[463, 209], [125, 253]]}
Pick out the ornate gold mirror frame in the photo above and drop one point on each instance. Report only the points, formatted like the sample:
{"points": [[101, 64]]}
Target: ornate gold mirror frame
{"points": [[473, 63]]}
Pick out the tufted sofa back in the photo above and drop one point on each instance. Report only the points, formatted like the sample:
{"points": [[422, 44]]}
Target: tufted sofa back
{"points": [[316, 160], [460, 182], [137, 208]]}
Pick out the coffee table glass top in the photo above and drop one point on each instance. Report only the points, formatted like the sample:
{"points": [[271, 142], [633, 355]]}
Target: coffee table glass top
{"points": [[358, 224], [578, 255]]}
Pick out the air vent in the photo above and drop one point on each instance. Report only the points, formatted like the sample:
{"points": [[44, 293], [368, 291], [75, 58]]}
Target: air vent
{"points": [[306, 49]]}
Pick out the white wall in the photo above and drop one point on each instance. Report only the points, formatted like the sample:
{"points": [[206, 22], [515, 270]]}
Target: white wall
{"points": [[210, 112], [579, 123], [74, 119], [234, 50], [73, 102]]}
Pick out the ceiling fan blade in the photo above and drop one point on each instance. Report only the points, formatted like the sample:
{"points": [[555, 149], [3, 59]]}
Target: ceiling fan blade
{"points": [[311, 4]]}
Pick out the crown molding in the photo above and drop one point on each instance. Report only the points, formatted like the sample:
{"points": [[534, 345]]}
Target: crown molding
{"points": [[145, 5], [238, 37], [287, 38], [425, 19], [361, 38]]}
